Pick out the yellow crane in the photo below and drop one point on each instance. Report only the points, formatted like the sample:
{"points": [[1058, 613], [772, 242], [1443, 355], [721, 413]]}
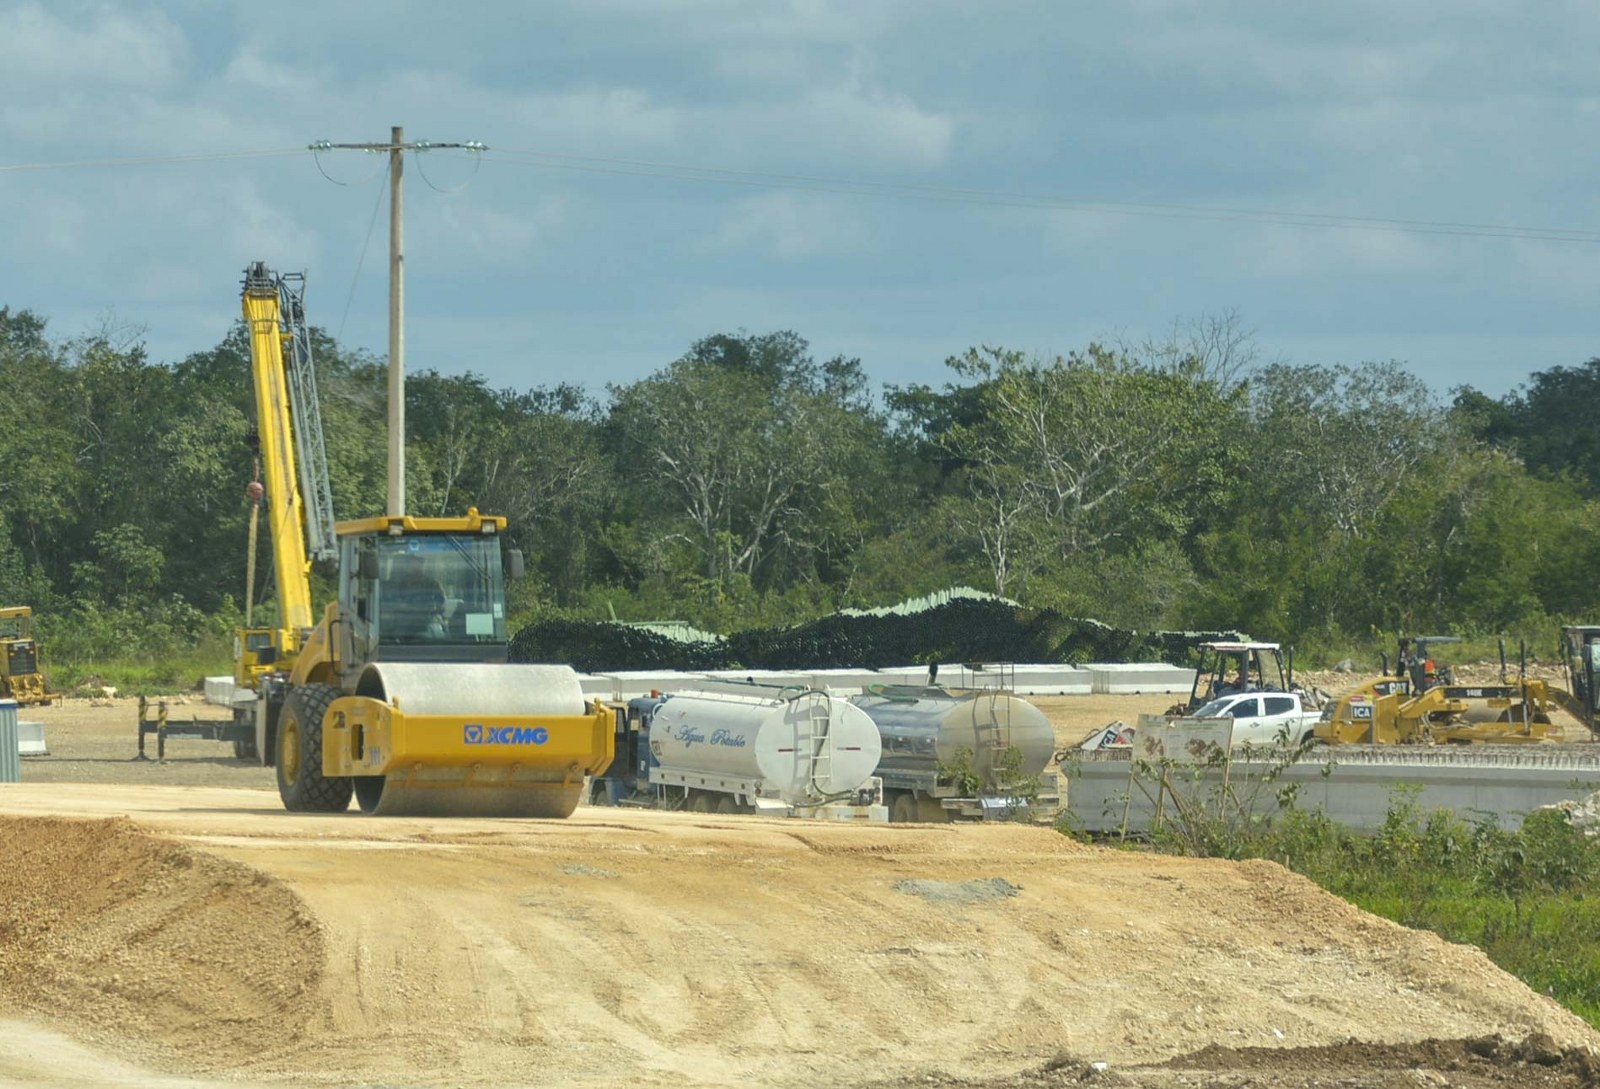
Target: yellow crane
{"points": [[401, 695]]}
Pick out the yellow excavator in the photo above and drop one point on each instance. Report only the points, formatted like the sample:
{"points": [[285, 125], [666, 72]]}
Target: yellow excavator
{"points": [[1423, 702], [20, 678], [401, 696]]}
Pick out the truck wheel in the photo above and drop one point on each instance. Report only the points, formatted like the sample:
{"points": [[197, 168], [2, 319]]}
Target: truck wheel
{"points": [[244, 748], [699, 802], [301, 783], [903, 810], [727, 804]]}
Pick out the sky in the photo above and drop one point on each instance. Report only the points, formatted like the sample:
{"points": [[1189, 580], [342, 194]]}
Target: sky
{"points": [[894, 180]]}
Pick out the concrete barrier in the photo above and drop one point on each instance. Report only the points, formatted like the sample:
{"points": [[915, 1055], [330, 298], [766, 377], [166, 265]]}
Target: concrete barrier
{"points": [[1354, 788], [1053, 680], [1030, 679], [915, 675], [776, 678], [1139, 678], [626, 684], [846, 682]]}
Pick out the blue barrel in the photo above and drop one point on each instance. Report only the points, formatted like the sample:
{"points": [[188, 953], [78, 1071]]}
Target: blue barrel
{"points": [[10, 745]]}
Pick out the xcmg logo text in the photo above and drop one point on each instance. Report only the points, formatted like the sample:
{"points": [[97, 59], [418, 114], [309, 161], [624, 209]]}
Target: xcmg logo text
{"points": [[476, 734]]}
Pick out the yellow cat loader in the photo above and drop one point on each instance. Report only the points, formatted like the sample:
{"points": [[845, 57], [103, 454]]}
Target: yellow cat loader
{"points": [[20, 678], [401, 696], [1423, 703]]}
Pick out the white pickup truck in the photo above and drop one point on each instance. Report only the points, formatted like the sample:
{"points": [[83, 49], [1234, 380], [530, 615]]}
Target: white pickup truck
{"points": [[1261, 718]]}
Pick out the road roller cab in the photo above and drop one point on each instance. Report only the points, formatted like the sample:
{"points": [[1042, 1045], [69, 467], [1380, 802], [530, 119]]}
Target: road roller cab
{"points": [[402, 695]]}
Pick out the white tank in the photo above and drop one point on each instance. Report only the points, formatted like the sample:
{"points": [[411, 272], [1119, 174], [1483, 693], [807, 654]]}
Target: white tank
{"points": [[924, 728], [806, 747]]}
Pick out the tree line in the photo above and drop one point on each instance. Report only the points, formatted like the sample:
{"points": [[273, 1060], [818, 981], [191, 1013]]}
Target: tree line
{"points": [[1180, 483]]}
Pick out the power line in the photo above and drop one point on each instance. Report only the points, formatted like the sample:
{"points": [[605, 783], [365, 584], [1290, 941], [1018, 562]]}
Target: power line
{"points": [[149, 160], [707, 175], [355, 278], [813, 183]]}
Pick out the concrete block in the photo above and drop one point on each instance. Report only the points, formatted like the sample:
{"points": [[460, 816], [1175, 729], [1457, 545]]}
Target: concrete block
{"points": [[1139, 678], [915, 674], [30, 739], [774, 678], [1053, 680], [223, 692], [846, 682], [1043, 679], [625, 684], [595, 686]]}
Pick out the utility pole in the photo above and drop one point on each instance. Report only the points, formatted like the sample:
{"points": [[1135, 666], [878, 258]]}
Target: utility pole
{"points": [[396, 149]]}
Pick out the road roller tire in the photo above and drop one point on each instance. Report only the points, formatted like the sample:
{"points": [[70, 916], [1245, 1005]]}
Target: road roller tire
{"points": [[301, 783], [903, 810]]}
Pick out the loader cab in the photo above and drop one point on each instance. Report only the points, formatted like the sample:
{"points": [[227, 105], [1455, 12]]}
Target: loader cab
{"points": [[1580, 649], [1419, 667], [19, 654], [1232, 668], [425, 590], [16, 624]]}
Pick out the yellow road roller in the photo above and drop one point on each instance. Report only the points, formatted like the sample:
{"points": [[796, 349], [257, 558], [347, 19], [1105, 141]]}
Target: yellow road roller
{"points": [[402, 696]]}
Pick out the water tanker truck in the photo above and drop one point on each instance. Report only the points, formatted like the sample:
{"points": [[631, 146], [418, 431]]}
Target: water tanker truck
{"points": [[744, 749], [952, 754]]}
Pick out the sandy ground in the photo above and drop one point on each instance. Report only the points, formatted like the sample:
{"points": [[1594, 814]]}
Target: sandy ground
{"points": [[167, 924]]}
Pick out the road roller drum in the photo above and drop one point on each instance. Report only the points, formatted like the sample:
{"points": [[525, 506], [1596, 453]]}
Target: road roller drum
{"points": [[448, 739]]}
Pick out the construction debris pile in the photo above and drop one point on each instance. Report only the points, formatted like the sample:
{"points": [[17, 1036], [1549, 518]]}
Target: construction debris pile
{"points": [[1583, 815]]}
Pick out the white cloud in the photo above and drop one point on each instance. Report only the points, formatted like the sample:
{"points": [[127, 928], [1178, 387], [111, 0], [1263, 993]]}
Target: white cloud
{"points": [[594, 118], [471, 234], [791, 226], [41, 52]]}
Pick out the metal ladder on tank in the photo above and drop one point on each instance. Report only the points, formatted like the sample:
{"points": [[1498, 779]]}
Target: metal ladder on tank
{"points": [[990, 732], [811, 738]]}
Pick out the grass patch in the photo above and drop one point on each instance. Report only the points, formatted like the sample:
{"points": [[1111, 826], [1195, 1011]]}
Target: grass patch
{"points": [[1530, 899], [148, 674]]}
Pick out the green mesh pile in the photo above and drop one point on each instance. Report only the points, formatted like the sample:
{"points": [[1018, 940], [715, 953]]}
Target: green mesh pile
{"points": [[959, 629], [602, 646]]}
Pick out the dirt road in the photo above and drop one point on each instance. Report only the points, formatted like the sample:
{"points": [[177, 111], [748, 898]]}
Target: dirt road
{"points": [[156, 931]]}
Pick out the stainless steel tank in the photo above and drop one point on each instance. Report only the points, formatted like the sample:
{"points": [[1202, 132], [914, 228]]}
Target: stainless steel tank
{"points": [[923, 728], [806, 746]]}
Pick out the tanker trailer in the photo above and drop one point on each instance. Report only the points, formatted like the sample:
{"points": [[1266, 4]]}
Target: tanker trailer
{"points": [[744, 749], [975, 754]]}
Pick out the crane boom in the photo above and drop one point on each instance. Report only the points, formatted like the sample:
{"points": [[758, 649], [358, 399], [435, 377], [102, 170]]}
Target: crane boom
{"points": [[286, 516], [305, 410]]}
